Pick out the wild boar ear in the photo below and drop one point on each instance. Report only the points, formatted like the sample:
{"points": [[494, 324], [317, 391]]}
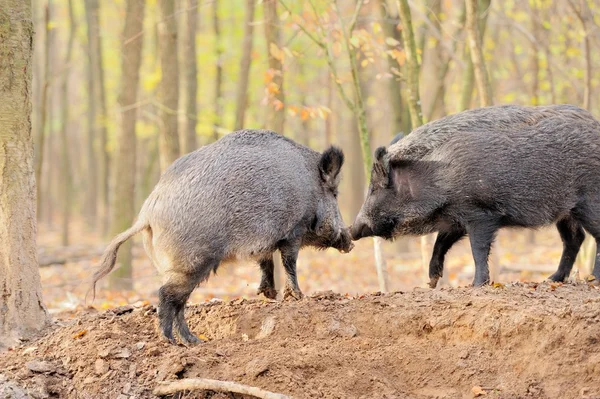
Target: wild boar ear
{"points": [[380, 172], [330, 165]]}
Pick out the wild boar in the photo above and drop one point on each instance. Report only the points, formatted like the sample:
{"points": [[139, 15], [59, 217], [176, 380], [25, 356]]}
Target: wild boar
{"points": [[477, 171], [245, 196]]}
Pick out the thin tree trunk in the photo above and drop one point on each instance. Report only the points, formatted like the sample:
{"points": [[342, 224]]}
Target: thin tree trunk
{"points": [[92, 180], [468, 79], [437, 107], [475, 39], [190, 78], [276, 110], [241, 102], [92, 8], [582, 15], [22, 311], [168, 93], [394, 86], [535, 58], [65, 164], [41, 125], [218, 93], [123, 207], [329, 119], [440, 91], [414, 101]]}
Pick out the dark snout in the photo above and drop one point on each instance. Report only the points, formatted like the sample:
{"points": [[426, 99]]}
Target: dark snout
{"points": [[359, 230], [344, 242]]}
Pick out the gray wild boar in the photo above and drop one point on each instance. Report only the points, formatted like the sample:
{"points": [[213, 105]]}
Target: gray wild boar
{"points": [[243, 197], [477, 171]]}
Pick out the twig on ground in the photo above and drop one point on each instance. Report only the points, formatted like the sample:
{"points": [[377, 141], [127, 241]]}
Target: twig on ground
{"points": [[189, 384]]}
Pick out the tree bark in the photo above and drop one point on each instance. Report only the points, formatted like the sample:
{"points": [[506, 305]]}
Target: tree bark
{"points": [[437, 108], [394, 86], [123, 206], [241, 101], [190, 70], [65, 163], [468, 79], [22, 311], [41, 125], [92, 8], [218, 93], [475, 46], [275, 111], [414, 101], [92, 115], [168, 92], [582, 15], [535, 58]]}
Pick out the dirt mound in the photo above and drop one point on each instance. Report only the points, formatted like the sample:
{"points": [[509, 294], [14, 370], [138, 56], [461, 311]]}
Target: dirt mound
{"points": [[521, 340]]}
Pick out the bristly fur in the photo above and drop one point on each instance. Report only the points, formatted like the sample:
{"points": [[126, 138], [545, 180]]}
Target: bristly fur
{"points": [[249, 194], [487, 168]]}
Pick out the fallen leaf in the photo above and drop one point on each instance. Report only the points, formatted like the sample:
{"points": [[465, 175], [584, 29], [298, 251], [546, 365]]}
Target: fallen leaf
{"points": [[80, 334], [498, 285], [478, 391], [203, 337]]}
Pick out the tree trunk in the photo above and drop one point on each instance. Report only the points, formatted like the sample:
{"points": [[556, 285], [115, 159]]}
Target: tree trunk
{"points": [[168, 93], [66, 192], [437, 107], [475, 46], [41, 125], [275, 110], [92, 114], [534, 57], [123, 206], [414, 101], [394, 86], [190, 72], [241, 102], [331, 116], [218, 93], [468, 79], [92, 8], [582, 15], [22, 311]]}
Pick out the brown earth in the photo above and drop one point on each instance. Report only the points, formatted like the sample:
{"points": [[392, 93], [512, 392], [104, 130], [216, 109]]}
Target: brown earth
{"points": [[518, 340]]}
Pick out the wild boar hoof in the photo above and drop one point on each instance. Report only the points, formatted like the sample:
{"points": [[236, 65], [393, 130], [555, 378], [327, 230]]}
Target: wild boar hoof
{"points": [[292, 293], [433, 281], [557, 277], [268, 292], [191, 340]]}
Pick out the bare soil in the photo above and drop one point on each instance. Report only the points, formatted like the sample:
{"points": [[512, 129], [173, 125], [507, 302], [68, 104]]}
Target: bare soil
{"points": [[512, 341]]}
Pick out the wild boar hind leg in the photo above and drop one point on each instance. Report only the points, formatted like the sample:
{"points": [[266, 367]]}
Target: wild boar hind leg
{"points": [[267, 280]]}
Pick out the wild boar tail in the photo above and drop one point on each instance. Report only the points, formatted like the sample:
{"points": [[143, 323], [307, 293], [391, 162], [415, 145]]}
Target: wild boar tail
{"points": [[107, 263]]}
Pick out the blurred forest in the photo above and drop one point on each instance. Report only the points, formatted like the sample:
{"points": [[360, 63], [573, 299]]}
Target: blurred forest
{"points": [[122, 88]]}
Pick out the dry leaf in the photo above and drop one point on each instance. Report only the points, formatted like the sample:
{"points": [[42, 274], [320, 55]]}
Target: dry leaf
{"points": [[498, 285], [203, 337], [478, 391], [80, 334]]}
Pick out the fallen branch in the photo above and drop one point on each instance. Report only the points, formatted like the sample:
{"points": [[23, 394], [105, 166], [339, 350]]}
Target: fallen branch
{"points": [[189, 384]]}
